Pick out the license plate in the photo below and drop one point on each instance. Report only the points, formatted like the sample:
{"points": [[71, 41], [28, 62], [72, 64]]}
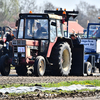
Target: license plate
{"points": [[21, 49]]}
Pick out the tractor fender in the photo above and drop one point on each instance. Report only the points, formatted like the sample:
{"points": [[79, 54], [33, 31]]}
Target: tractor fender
{"points": [[68, 40], [58, 40]]}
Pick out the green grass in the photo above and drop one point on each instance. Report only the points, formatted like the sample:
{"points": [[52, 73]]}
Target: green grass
{"points": [[15, 85], [68, 83]]}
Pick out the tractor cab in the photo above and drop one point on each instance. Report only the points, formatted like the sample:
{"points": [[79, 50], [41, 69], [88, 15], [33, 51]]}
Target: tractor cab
{"points": [[93, 30], [33, 26], [91, 42], [35, 32]]}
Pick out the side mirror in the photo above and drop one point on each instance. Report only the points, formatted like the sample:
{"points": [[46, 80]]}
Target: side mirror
{"points": [[53, 23], [17, 22]]}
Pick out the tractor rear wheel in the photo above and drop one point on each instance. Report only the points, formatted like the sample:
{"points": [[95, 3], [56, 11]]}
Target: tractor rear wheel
{"points": [[88, 68], [4, 65], [39, 66], [21, 70], [61, 57]]}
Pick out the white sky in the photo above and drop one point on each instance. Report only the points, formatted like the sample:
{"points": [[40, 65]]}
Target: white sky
{"points": [[69, 4]]}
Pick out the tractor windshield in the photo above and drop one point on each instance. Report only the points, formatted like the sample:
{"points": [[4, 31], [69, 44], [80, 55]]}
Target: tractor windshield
{"points": [[94, 31], [34, 28]]}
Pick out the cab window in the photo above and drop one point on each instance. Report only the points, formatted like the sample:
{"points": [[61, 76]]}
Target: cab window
{"points": [[21, 29], [52, 30], [59, 28], [94, 31]]}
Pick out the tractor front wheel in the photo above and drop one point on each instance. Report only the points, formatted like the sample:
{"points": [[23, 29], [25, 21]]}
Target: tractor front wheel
{"points": [[39, 66], [4, 65]]}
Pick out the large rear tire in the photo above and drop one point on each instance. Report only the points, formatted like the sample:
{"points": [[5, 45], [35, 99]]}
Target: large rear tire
{"points": [[61, 57], [21, 70], [4, 65], [39, 66]]}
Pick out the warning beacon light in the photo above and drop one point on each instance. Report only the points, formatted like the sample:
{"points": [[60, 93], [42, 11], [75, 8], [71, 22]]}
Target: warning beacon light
{"points": [[30, 12], [99, 19], [56, 9]]}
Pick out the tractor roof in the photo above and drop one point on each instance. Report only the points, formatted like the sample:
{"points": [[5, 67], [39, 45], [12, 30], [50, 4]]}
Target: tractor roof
{"points": [[63, 13], [33, 15], [39, 15], [54, 14]]}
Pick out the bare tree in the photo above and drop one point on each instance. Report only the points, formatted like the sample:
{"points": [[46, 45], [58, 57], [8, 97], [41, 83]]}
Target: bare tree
{"points": [[8, 11], [28, 5], [87, 12], [46, 6], [82, 19], [49, 6]]}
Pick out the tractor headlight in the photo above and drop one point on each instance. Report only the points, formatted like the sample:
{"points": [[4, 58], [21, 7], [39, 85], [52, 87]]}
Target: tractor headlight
{"points": [[23, 55], [15, 55]]}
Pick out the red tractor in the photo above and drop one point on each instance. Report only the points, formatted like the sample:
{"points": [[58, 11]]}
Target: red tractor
{"points": [[40, 42]]}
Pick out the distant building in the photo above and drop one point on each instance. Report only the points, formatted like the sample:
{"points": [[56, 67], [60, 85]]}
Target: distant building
{"points": [[74, 27]]}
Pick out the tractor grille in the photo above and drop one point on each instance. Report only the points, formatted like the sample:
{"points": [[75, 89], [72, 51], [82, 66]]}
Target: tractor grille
{"points": [[18, 42], [15, 48]]}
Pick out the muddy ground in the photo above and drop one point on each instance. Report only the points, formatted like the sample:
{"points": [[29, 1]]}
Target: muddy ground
{"points": [[14, 78]]}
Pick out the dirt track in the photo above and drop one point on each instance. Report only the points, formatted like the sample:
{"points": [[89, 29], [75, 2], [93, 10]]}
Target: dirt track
{"points": [[13, 78]]}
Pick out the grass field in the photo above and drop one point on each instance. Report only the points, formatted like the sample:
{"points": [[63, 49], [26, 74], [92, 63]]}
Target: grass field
{"points": [[68, 83]]}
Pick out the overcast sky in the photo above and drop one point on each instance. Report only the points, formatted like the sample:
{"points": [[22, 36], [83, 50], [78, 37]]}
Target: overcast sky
{"points": [[69, 4]]}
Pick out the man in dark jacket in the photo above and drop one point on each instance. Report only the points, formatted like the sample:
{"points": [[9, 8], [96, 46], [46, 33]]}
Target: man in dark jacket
{"points": [[41, 32], [9, 36], [74, 39]]}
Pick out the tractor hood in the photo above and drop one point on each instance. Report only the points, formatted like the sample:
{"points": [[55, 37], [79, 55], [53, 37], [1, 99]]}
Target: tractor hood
{"points": [[25, 42]]}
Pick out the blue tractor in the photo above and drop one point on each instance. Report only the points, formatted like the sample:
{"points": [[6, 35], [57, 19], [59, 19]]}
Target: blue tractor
{"points": [[87, 53]]}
